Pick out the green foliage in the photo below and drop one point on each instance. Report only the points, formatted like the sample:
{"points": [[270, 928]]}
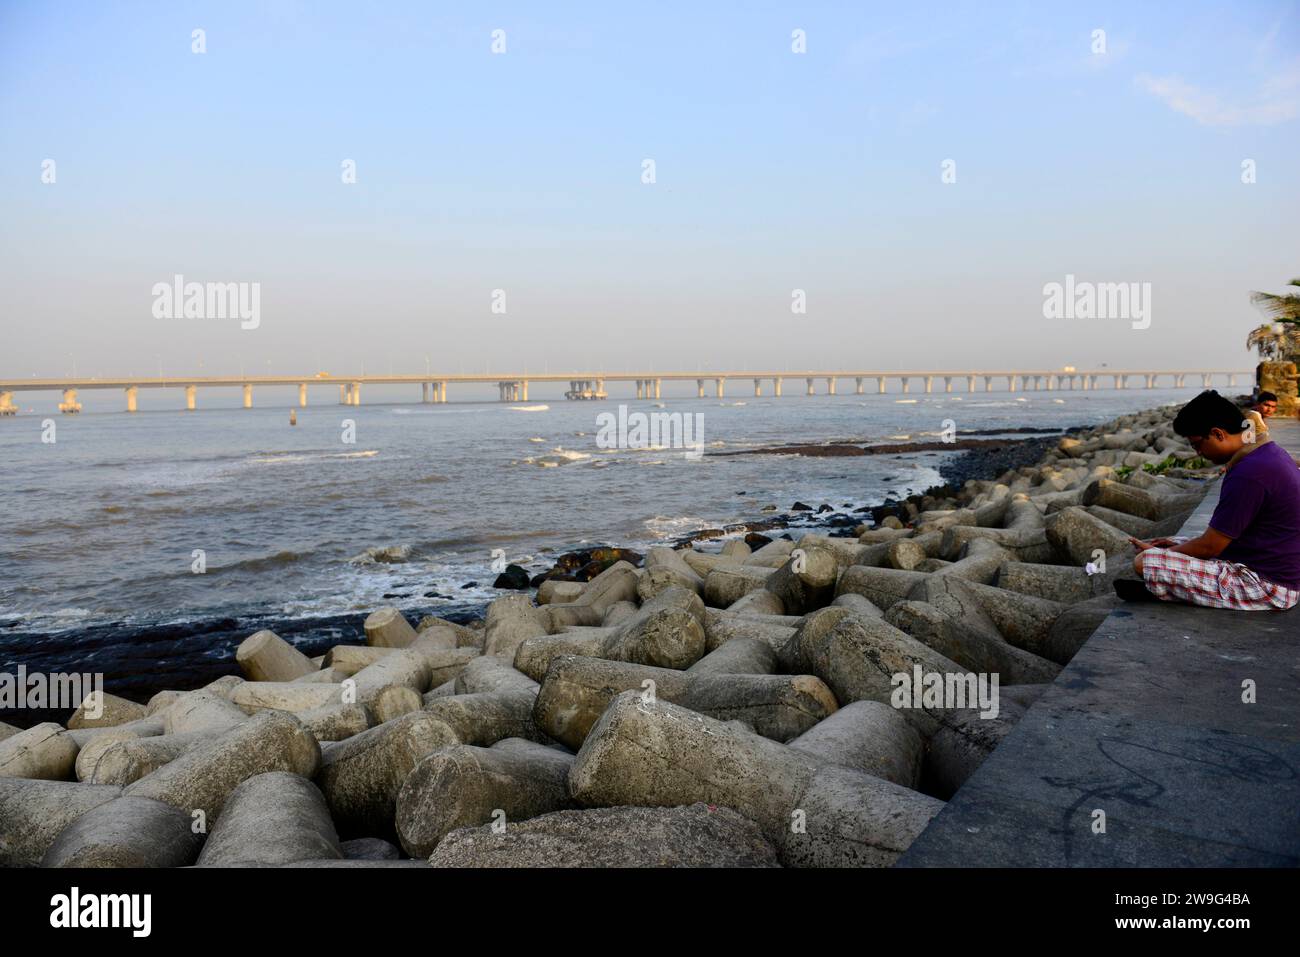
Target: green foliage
{"points": [[1173, 462]]}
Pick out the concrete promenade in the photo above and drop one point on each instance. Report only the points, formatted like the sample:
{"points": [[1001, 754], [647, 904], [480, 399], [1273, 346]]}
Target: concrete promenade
{"points": [[1147, 724]]}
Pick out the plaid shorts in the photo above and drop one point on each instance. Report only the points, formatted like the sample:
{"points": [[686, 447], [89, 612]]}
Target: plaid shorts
{"points": [[1173, 576]]}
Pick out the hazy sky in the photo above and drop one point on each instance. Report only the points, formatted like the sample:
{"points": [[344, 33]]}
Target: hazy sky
{"points": [[522, 171]]}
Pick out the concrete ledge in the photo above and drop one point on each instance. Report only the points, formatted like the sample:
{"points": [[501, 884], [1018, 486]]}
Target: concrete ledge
{"points": [[1147, 724]]}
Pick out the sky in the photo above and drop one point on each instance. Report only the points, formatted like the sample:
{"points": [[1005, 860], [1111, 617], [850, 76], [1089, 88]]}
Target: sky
{"points": [[500, 216]]}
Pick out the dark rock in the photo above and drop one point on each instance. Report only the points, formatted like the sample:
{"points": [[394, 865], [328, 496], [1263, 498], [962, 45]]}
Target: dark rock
{"points": [[756, 541], [470, 585], [514, 577], [800, 507], [823, 509]]}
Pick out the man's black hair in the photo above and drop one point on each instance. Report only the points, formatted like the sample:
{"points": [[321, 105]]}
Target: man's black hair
{"points": [[1265, 397], [1207, 411]]}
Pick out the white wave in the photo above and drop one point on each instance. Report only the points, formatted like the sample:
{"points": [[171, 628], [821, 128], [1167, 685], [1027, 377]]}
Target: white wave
{"points": [[537, 439], [529, 408], [905, 401], [556, 457]]}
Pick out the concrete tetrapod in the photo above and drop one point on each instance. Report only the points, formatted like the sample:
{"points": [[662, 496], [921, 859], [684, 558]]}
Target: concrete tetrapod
{"points": [[1020, 620], [727, 584], [616, 583], [806, 581], [817, 814], [272, 818], [387, 628], [971, 648], [466, 786], [360, 776], [722, 626], [576, 691], [201, 711], [510, 620], [34, 812], [1078, 536], [202, 777], [127, 832], [45, 751], [962, 742], [127, 761], [759, 602], [265, 656], [859, 657], [111, 709], [694, 836], [867, 736]]}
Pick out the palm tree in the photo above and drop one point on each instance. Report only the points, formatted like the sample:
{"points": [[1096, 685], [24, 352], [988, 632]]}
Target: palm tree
{"points": [[1279, 339]]}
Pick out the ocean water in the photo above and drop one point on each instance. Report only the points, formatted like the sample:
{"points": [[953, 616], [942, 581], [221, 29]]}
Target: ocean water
{"points": [[99, 529]]}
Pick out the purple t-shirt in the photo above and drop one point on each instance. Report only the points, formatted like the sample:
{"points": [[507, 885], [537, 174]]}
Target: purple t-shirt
{"points": [[1259, 509]]}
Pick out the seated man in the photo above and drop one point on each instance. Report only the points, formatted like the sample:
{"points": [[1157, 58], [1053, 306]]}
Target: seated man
{"points": [[1249, 557], [1264, 407]]}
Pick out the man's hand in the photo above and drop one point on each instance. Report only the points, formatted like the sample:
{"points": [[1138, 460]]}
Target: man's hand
{"points": [[1142, 546]]}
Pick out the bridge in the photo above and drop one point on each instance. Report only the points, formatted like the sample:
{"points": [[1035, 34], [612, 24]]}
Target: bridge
{"points": [[513, 387]]}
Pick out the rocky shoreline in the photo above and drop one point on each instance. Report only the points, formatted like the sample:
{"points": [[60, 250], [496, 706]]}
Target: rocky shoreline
{"points": [[685, 707]]}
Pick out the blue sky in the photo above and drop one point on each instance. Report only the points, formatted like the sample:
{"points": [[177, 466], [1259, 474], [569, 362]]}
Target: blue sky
{"points": [[521, 171]]}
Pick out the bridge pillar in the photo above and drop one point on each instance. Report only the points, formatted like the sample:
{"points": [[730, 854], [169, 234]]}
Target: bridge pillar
{"points": [[130, 398], [302, 395], [356, 393], [758, 387], [248, 395], [776, 388], [988, 383], [699, 388], [970, 383], [1205, 380], [442, 391], [1151, 381], [1178, 380], [343, 395], [1085, 382], [906, 385], [658, 384], [880, 384], [600, 387], [810, 386], [7, 406], [947, 383], [929, 384], [1038, 383], [640, 388], [1011, 383], [830, 385], [721, 386], [524, 387], [1232, 380], [69, 403], [424, 393]]}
